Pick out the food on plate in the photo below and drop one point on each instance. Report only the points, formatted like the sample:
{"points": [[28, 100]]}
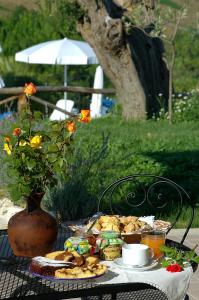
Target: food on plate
{"points": [[121, 224], [78, 260], [60, 255], [42, 266], [91, 260], [109, 219], [109, 223], [134, 226], [53, 255], [80, 266], [126, 220], [83, 272], [161, 225]]}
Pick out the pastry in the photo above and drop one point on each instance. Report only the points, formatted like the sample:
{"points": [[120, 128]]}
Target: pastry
{"points": [[81, 272], [52, 255], [79, 260], [92, 260], [110, 227], [162, 225], [61, 273], [60, 255], [43, 266], [100, 269], [122, 224], [109, 219]]}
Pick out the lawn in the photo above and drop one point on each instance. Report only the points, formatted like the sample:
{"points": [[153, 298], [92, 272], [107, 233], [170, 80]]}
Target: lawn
{"points": [[143, 147], [152, 147]]}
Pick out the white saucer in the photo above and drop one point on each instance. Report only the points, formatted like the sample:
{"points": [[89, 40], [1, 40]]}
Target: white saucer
{"points": [[153, 263]]}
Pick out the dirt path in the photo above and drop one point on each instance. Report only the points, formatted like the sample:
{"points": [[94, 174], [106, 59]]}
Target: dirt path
{"points": [[7, 210]]}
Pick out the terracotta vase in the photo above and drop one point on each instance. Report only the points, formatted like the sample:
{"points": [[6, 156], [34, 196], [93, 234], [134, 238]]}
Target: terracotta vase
{"points": [[32, 232]]}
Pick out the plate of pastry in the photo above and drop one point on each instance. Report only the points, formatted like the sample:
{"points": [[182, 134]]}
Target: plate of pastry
{"points": [[122, 224], [65, 265]]}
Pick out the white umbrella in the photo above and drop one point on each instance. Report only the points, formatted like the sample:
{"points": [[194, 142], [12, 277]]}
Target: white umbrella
{"points": [[61, 52], [96, 101], [2, 84]]}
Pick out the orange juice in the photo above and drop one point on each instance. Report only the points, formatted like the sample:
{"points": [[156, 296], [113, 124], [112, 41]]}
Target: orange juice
{"points": [[154, 240]]}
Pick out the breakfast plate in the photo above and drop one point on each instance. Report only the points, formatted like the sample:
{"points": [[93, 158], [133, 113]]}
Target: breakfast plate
{"points": [[53, 278], [152, 264], [61, 270]]}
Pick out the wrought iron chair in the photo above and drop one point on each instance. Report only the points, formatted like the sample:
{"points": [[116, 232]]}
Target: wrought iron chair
{"points": [[145, 194]]}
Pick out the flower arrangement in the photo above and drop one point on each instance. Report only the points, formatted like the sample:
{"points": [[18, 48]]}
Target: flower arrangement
{"points": [[36, 152]]}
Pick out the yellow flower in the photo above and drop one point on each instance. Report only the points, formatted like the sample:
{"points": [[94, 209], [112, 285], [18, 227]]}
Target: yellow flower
{"points": [[7, 148], [35, 142], [23, 143]]}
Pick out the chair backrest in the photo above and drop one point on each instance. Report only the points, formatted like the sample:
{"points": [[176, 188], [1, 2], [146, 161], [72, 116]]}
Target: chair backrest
{"points": [[64, 104], [144, 195]]}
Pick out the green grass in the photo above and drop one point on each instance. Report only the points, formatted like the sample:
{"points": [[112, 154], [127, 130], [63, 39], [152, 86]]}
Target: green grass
{"points": [[151, 147], [133, 147]]}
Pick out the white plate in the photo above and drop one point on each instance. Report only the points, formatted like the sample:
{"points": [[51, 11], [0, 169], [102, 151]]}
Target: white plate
{"points": [[151, 265]]}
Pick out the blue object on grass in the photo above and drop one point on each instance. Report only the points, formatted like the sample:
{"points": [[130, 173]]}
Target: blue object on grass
{"points": [[6, 115], [108, 102]]}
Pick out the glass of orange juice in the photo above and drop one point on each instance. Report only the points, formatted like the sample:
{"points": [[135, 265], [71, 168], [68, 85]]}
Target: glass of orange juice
{"points": [[154, 239]]}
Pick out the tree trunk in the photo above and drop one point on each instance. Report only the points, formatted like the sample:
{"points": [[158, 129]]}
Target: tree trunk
{"points": [[133, 62]]}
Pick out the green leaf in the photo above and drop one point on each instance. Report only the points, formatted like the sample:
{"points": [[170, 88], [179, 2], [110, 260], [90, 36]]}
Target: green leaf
{"points": [[31, 164], [179, 256], [61, 162], [38, 115], [170, 3], [195, 259], [166, 262], [166, 249], [23, 156], [52, 148], [189, 255]]}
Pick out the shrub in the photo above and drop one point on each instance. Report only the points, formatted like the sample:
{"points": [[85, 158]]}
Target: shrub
{"points": [[185, 108], [77, 197], [186, 71]]}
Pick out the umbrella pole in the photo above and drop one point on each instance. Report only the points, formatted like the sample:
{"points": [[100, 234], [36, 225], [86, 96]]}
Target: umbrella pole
{"points": [[65, 80]]}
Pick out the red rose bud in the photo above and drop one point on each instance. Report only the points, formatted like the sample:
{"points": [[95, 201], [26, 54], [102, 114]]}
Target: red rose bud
{"points": [[174, 268], [17, 131]]}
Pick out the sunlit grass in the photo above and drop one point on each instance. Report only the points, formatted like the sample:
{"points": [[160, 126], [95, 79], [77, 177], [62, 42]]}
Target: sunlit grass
{"points": [[142, 147]]}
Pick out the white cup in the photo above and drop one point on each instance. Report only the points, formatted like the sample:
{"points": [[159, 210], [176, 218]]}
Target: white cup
{"points": [[136, 254]]}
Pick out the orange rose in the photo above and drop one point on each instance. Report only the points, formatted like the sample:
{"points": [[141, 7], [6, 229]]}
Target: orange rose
{"points": [[85, 116], [30, 89], [17, 131], [7, 139], [71, 126]]}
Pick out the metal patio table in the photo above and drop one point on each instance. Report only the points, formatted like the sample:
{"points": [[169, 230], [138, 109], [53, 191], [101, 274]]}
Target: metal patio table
{"points": [[17, 283]]}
